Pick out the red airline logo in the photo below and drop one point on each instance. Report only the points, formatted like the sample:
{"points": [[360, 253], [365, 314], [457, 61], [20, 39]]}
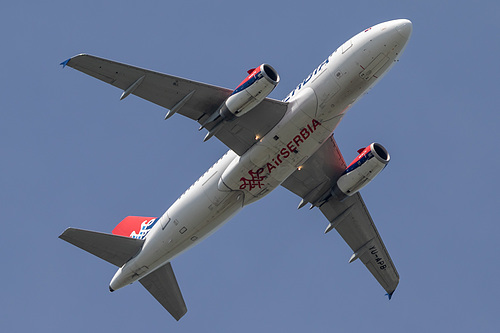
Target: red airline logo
{"points": [[254, 181], [285, 152]]}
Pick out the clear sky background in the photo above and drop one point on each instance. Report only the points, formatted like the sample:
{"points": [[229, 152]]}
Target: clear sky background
{"points": [[74, 155]]}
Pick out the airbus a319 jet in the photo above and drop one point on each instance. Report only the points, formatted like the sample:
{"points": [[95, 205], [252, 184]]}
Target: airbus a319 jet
{"points": [[271, 143]]}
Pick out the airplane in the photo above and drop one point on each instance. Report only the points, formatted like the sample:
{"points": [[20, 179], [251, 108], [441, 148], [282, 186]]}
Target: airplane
{"points": [[271, 143]]}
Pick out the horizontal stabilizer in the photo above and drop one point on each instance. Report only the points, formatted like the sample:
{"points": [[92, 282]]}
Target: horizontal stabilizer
{"points": [[162, 284], [112, 248]]}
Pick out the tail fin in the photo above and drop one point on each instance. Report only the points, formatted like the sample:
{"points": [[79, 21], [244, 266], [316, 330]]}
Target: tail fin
{"points": [[135, 226], [119, 248], [112, 248]]}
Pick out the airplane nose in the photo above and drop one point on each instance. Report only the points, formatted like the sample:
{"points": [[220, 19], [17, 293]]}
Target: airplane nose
{"points": [[404, 28]]}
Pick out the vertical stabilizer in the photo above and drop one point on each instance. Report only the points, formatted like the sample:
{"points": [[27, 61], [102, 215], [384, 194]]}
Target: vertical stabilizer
{"points": [[135, 226]]}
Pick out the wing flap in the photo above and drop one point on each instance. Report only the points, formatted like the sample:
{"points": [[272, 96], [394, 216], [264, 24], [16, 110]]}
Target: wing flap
{"points": [[163, 285], [116, 250]]}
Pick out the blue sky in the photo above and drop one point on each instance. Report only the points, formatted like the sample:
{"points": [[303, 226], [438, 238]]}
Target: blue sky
{"points": [[74, 155]]}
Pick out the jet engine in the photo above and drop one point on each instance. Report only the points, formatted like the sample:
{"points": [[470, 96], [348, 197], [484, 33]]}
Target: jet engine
{"points": [[369, 163], [250, 92]]}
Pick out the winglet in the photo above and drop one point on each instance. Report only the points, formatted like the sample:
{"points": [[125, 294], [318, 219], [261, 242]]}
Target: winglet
{"points": [[65, 62], [389, 295]]}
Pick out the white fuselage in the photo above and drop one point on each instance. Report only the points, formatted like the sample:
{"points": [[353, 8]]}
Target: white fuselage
{"points": [[315, 109]]}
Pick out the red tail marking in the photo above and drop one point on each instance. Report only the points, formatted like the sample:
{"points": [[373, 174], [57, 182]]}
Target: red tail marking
{"points": [[130, 224]]}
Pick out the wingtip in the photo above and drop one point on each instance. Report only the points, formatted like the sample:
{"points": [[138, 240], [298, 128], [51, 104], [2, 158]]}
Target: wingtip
{"points": [[64, 233], [65, 63]]}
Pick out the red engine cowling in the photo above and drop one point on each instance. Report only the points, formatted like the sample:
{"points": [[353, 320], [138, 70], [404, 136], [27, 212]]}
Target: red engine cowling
{"points": [[370, 161], [250, 92]]}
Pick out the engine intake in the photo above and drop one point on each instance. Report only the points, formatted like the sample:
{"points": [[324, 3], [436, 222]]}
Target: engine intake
{"points": [[369, 163], [259, 83]]}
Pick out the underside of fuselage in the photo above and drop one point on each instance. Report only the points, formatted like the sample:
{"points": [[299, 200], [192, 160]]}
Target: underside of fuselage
{"points": [[314, 109]]}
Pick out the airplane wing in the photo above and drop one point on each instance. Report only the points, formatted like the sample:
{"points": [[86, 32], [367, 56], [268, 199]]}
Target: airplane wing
{"points": [[192, 99], [349, 217]]}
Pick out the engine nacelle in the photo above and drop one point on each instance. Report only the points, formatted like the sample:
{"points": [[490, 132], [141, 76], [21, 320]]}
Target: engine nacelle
{"points": [[363, 169], [258, 85]]}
